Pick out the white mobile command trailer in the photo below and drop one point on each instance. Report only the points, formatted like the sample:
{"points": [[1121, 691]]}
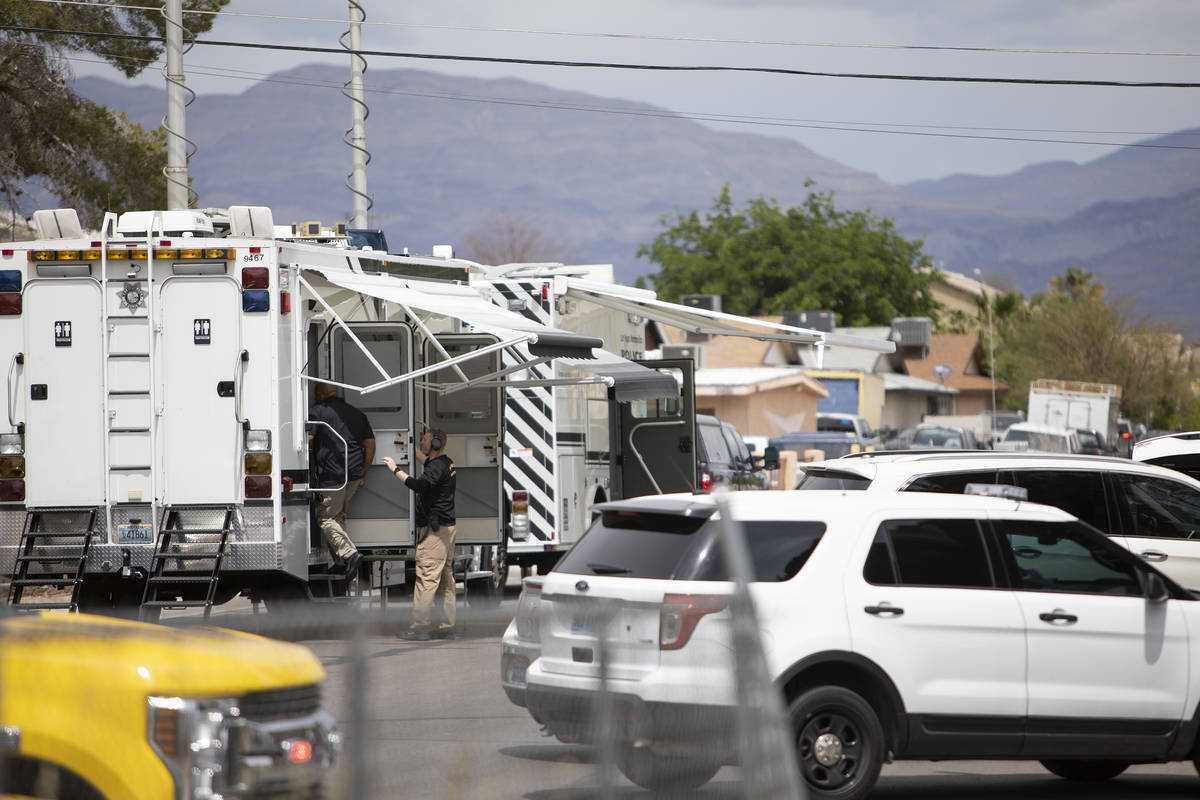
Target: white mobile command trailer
{"points": [[1076, 404], [157, 392], [571, 446]]}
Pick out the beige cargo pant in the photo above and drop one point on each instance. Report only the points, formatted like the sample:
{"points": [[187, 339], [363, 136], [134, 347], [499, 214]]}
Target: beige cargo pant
{"points": [[331, 517], [435, 577]]}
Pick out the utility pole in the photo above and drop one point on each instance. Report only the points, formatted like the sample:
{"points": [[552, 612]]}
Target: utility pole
{"points": [[357, 132], [176, 127]]}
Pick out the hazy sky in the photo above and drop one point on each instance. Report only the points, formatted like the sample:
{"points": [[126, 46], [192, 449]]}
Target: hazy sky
{"points": [[779, 33]]}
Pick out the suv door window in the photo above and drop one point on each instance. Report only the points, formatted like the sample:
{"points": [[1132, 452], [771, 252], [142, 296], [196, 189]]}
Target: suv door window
{"points": [[737, 445], [1078, 492], [950, 482], [1158, 507], [1068, 557], [929, 552]]}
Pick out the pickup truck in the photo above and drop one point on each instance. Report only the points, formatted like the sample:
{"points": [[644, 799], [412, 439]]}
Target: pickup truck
{"points": [[836, 435], [108, 709]]}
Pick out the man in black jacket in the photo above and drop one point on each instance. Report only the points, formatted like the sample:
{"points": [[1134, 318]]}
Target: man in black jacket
{"points": [[434, 492]]}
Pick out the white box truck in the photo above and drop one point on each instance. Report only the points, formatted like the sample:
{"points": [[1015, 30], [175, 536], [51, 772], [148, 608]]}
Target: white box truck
{"points": [[1076, 404]]}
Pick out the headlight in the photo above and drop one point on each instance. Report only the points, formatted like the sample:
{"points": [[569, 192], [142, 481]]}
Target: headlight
{"points": [[191, 737]]}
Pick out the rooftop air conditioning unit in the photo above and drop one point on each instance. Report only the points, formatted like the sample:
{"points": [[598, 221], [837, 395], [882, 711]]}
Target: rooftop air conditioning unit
{"points": [[913, 332], [693, 351], [708, 302], [815, 320]]}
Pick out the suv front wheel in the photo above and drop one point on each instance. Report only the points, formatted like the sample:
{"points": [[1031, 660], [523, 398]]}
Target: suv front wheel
{"points": [[839, 742]]}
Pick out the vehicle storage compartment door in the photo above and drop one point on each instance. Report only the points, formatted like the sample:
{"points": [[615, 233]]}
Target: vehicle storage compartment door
{"points": [[655, 439], [380, 511], [472, 420], [200, 374], [64, 393]]}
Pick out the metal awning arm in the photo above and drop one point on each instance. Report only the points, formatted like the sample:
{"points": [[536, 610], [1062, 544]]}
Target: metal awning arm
{"points": [[491, 378], [530, 384], [416, 373], [820, 348], [433, 340], [341, 324]]}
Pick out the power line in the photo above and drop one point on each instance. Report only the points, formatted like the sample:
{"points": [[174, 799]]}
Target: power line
{"points": [[778, 122], [656, 38], [626, 66]]}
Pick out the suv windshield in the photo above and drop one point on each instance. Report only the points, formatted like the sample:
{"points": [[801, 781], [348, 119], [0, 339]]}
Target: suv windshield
{"points": [[636, 544], [839, 424]]}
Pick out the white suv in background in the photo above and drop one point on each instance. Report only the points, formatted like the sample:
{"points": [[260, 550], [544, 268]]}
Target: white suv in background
{"points": [[906, 626], [1151, 510]]}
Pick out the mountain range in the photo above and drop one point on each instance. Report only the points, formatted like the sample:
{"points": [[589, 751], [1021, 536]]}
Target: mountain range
{"points": [[596, 175]]}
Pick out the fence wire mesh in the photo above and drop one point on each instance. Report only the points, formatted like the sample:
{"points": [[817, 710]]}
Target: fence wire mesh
{"points": [[422, 719]]}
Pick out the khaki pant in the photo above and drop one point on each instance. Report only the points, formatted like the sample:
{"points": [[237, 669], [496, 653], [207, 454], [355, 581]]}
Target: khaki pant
{"points": [[331, 517], [435, 576]]}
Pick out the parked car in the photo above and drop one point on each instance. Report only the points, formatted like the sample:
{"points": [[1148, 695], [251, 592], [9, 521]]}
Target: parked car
{"points": [[1125, 437], [723, 458], [901, 440], [1177, 451], [868, 439], [1153, 511], [1031, 436], [905, 626], [940, 437], [108, 708], [1091, 443]]}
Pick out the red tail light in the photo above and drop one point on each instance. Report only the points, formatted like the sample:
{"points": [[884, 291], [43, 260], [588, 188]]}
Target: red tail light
{"points": [[680, 615], [12, 490], [285, 302], [255, 278], [258, 486], [10, 303], [1126, 435], [706, 481]]}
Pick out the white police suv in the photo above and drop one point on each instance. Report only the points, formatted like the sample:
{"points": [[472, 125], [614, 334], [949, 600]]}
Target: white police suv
{"points": [[894, 625]]}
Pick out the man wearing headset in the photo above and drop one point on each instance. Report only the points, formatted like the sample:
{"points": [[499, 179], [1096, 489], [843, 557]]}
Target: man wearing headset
{"points": [[434, 493]]}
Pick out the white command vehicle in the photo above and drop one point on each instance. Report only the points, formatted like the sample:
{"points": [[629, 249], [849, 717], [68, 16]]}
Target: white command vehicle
{"points": [[894, 626], [574, 445], [1078, 405], [157, 395]]}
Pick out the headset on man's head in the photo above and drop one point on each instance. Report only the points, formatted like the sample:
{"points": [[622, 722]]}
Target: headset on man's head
{"points": [[437, 438]]}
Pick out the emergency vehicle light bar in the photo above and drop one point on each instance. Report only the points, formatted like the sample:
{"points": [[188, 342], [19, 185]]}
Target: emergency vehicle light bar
{"points": [[122, 254]]}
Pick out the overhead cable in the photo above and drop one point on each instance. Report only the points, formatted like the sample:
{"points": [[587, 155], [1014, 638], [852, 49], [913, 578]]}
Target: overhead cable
{"points": [[628, 66], [655, 37]]}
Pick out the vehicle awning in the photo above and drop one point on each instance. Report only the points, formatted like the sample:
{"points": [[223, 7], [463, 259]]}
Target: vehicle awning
{"points": [[644, 303], [630, 381]]}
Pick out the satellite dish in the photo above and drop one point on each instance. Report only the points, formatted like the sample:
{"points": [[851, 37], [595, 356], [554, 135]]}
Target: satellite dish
{"points": [[941, 372]]}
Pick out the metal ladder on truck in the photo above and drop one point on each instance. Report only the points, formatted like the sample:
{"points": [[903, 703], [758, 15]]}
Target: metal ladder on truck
{"points": [[197, 554], [51, 556]]}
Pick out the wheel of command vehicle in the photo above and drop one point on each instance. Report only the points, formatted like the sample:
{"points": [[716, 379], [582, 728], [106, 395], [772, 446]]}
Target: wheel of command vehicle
{"points": [[839, 742], [661, 773], [1086, 770]]}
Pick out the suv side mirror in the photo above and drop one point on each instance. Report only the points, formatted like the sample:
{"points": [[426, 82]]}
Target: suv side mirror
{"points": [[771, 458], [1156, 588]]}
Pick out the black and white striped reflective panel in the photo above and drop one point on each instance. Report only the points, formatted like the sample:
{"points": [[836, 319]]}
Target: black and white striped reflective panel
{"points": [[530, 458]]}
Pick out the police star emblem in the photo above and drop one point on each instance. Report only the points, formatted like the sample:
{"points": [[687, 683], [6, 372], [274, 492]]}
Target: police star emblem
{"points": [[132, 297]]}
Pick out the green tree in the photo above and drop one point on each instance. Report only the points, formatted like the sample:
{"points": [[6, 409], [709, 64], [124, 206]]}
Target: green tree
{"points": [[766, 260], [1075, 332], [88, 156]]}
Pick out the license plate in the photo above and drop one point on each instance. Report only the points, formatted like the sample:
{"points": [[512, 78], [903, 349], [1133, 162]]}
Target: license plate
{"points": [[583, 626], [135, 534]]}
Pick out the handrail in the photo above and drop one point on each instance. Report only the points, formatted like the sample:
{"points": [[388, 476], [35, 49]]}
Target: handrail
{"points": [[18, 358], [345, 459], [242, 358]]}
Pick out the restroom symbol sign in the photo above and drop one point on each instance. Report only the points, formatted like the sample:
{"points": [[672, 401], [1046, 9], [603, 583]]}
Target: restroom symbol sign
{"points": [[201, 331], [62, 333]]}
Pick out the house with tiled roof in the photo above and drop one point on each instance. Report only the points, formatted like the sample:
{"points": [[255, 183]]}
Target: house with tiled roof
{"points": [[957, 361]]}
